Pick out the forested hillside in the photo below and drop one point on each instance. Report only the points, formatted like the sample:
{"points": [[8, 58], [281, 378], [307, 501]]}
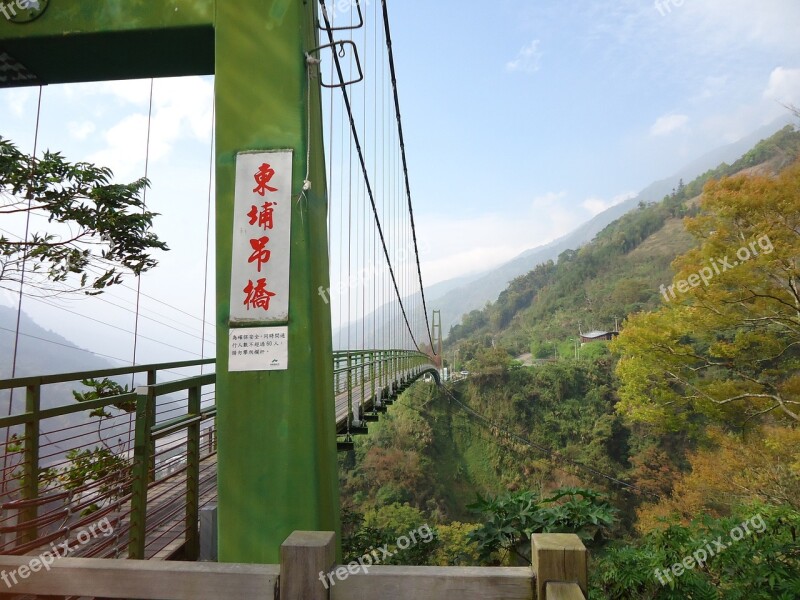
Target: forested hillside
{"points": [[618, 274], [682, 430]]}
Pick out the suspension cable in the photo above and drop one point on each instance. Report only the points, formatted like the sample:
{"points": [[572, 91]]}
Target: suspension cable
{"points": [[388, 35], [362, 160]]}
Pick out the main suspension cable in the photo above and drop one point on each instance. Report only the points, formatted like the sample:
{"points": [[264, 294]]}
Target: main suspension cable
{"points": [[362, 160], [389, 49]]}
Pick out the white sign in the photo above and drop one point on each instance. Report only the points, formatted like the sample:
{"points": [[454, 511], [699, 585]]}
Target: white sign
{"points": [[261, 237], [258, 349]]}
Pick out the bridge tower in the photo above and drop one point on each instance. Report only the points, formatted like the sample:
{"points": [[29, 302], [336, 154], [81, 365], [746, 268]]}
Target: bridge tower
{"points": [[277, 439], [436, 331]]}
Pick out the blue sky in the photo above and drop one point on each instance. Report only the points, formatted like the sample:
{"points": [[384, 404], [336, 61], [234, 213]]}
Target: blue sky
{"points": [[565, 108], [523, 120]]}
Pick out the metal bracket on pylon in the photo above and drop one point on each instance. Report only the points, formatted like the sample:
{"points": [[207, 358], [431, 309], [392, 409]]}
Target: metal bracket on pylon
{"points": [[345, 27], [342, 53]]}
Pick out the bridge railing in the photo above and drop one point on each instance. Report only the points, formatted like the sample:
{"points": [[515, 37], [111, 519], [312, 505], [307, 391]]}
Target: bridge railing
{"points": [[367, 381], [68, 465], [307, 572], [139, 450]]}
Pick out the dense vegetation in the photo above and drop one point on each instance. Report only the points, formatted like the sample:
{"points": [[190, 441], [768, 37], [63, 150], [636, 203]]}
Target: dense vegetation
{"points": [[682, 432]]}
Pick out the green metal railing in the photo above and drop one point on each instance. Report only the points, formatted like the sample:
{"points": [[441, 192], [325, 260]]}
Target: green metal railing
{"points": [[40, 504]]}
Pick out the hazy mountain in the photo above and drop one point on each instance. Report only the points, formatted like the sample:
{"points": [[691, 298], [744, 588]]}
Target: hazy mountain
{"points": [[459, 296], [41, 352], [618, 273]]}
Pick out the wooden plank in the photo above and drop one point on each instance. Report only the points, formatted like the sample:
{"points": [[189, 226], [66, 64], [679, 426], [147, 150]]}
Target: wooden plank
{"points": [[558, 557], [564, 591], [304, 555], [144, 580], [431, 583]]}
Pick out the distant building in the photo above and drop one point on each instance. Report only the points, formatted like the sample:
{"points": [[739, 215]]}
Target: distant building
{"points": [[598, 336]]}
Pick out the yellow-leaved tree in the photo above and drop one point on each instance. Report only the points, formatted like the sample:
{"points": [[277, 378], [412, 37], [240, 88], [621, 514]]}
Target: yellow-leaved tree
{"points": [[726, 343]]}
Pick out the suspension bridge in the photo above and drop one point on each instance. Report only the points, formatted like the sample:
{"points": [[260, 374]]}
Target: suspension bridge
{"points": [[265, 417], [314, 227]]}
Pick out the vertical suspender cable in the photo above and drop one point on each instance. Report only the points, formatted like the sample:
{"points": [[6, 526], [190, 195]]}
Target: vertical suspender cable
{"points": [[25, 247], [390, 52], [208, 226], [362, 161], [144, 207], [375, 279], [22, 285]]}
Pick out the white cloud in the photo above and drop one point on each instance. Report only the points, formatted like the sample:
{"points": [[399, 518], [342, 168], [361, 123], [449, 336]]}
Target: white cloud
{"points": [[784, 86], [528, 59], [548, 199], [712, 88], [726, 23], [80, 130], [595, 205], [20, 100], [465, 245], [182, 109], [668, 124]]}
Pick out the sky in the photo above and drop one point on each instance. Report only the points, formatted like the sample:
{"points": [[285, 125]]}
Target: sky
{"points": [[522, 120]]}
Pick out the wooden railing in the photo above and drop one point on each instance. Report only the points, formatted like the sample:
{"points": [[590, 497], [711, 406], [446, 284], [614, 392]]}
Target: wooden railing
{"points": [[558, 573]]}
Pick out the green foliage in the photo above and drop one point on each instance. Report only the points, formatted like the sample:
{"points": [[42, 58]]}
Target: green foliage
{"points": [[763, 564], [402, 530], [455, 546], [508, 521], [394, 517], [102, 225], [725, 347], [101, 466], [104, 388]]}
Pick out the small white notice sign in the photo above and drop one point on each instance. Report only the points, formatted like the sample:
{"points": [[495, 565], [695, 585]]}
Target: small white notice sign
{"points": [[262, 222], [258, 349]]}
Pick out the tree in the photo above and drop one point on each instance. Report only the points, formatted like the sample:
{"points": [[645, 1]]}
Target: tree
{"points": [[508, 521], [756, 557], [96, 230], [762, 466], [726, 345]]}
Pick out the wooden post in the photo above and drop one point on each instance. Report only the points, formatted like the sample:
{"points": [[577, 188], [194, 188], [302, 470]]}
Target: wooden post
{"points": [[564, 591], [304, 555], [558, 557]]}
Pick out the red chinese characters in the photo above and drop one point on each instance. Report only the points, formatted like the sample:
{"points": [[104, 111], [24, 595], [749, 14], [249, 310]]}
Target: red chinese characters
{"points": [[260, 253], [258, 296], [264, 216], [263, 176]]}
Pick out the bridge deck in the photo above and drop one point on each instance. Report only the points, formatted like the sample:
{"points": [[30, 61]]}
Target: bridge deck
{"points": [[166, 516]]}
